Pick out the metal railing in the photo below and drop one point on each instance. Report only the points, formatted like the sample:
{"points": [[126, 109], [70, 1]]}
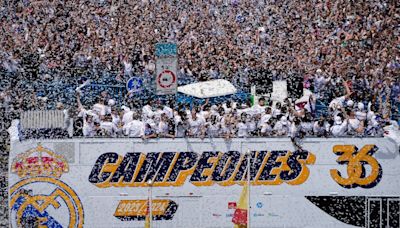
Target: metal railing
{"points": [[43, 119]]}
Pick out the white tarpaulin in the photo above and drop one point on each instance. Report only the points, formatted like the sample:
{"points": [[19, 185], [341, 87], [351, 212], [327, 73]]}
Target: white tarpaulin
{"points": [[213, 88]]}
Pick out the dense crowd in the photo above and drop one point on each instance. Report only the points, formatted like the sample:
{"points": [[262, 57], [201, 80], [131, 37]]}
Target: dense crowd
{"points": [[346, 51], [218, 38], [327, 43]]}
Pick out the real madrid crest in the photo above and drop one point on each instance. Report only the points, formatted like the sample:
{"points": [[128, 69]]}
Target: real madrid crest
{"points": [[40, 198]]}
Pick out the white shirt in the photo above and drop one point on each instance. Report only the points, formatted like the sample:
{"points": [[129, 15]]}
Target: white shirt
{"points": [[195, 126], [339, 129], [294, 131], [134, 128], [213, 130], [258, 109], [127, 117], [251, 125], [88, 130], [281, 128], [180, 128], [243, 130], [353, 125], [163, 128], [168, 111], [266, 129], [265, 118], [276, 112], [361, 115], [147, 112], [116, 119], [84, 113], [109, 128], [337, 101]]}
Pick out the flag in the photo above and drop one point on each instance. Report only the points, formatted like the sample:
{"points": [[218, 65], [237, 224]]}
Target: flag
{"points": [[240, 215], [147, 221]]}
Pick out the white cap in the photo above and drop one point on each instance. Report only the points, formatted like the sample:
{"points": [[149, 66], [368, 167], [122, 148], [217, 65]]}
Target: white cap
{"points": [[350, 103], [126, 109], [111, 102], [338, 120], [319, 71]]}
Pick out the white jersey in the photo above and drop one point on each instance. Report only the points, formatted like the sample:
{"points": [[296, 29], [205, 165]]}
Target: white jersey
{"points": [[266, 129], [196, 126], [163, 128], [109, 128], [213, 130], [127, 117], [338, 101], [282, 128], [116, 119], [243, 130], [134, 128], [88, 130], [353, 125], [339, 129]]}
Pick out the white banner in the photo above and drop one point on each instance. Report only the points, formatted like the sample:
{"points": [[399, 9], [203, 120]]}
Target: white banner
{"points": [[196, 183], [166, 75]]}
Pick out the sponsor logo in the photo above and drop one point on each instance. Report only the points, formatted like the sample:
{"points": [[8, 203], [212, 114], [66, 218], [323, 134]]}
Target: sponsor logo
{"points": [[216, 215], [40, 199], [231, 205], [259, 205], [258, 215], [206, 169], [128, 210], [356, 160]]}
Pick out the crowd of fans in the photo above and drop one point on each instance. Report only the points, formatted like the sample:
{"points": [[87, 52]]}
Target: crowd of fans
{"points": [[296, 119], [326, 42], [346, 51]]}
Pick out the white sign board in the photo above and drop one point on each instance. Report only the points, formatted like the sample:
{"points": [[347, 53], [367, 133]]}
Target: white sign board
{"points": [[196, 183], [279, 90], [166, 75]]}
